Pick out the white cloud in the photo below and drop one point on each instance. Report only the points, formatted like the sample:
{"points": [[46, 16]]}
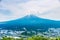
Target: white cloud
{"points": [[52, 14], [40, 6], [36, 7], [16, 12]]}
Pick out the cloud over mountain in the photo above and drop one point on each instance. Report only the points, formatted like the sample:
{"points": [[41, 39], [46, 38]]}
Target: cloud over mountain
{"points": [[20, 8]]}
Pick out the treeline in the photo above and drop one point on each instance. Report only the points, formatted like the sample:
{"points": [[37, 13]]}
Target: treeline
{"points": [[36, 37]]}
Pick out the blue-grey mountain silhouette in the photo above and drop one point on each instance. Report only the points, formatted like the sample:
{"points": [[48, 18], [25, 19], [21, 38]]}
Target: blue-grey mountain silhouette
{"points": [[30, 22]]}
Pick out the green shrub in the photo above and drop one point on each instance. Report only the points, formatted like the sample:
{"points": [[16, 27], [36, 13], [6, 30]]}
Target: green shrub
{"points": [[7, 38], [36, 37]]}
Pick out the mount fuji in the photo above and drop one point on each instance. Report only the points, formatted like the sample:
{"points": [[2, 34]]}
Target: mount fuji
{"points": [[30, 22]]}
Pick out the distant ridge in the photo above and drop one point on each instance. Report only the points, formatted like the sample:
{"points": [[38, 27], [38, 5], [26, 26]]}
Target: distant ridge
{"points": [[30, 22]]}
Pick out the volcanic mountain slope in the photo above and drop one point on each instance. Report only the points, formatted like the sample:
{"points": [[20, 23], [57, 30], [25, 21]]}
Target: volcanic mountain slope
{"points": [[30, 22]]}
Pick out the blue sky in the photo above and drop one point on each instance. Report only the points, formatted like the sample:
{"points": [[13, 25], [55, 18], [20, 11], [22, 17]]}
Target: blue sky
{"points": [[15, 1], [13, 9]]}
